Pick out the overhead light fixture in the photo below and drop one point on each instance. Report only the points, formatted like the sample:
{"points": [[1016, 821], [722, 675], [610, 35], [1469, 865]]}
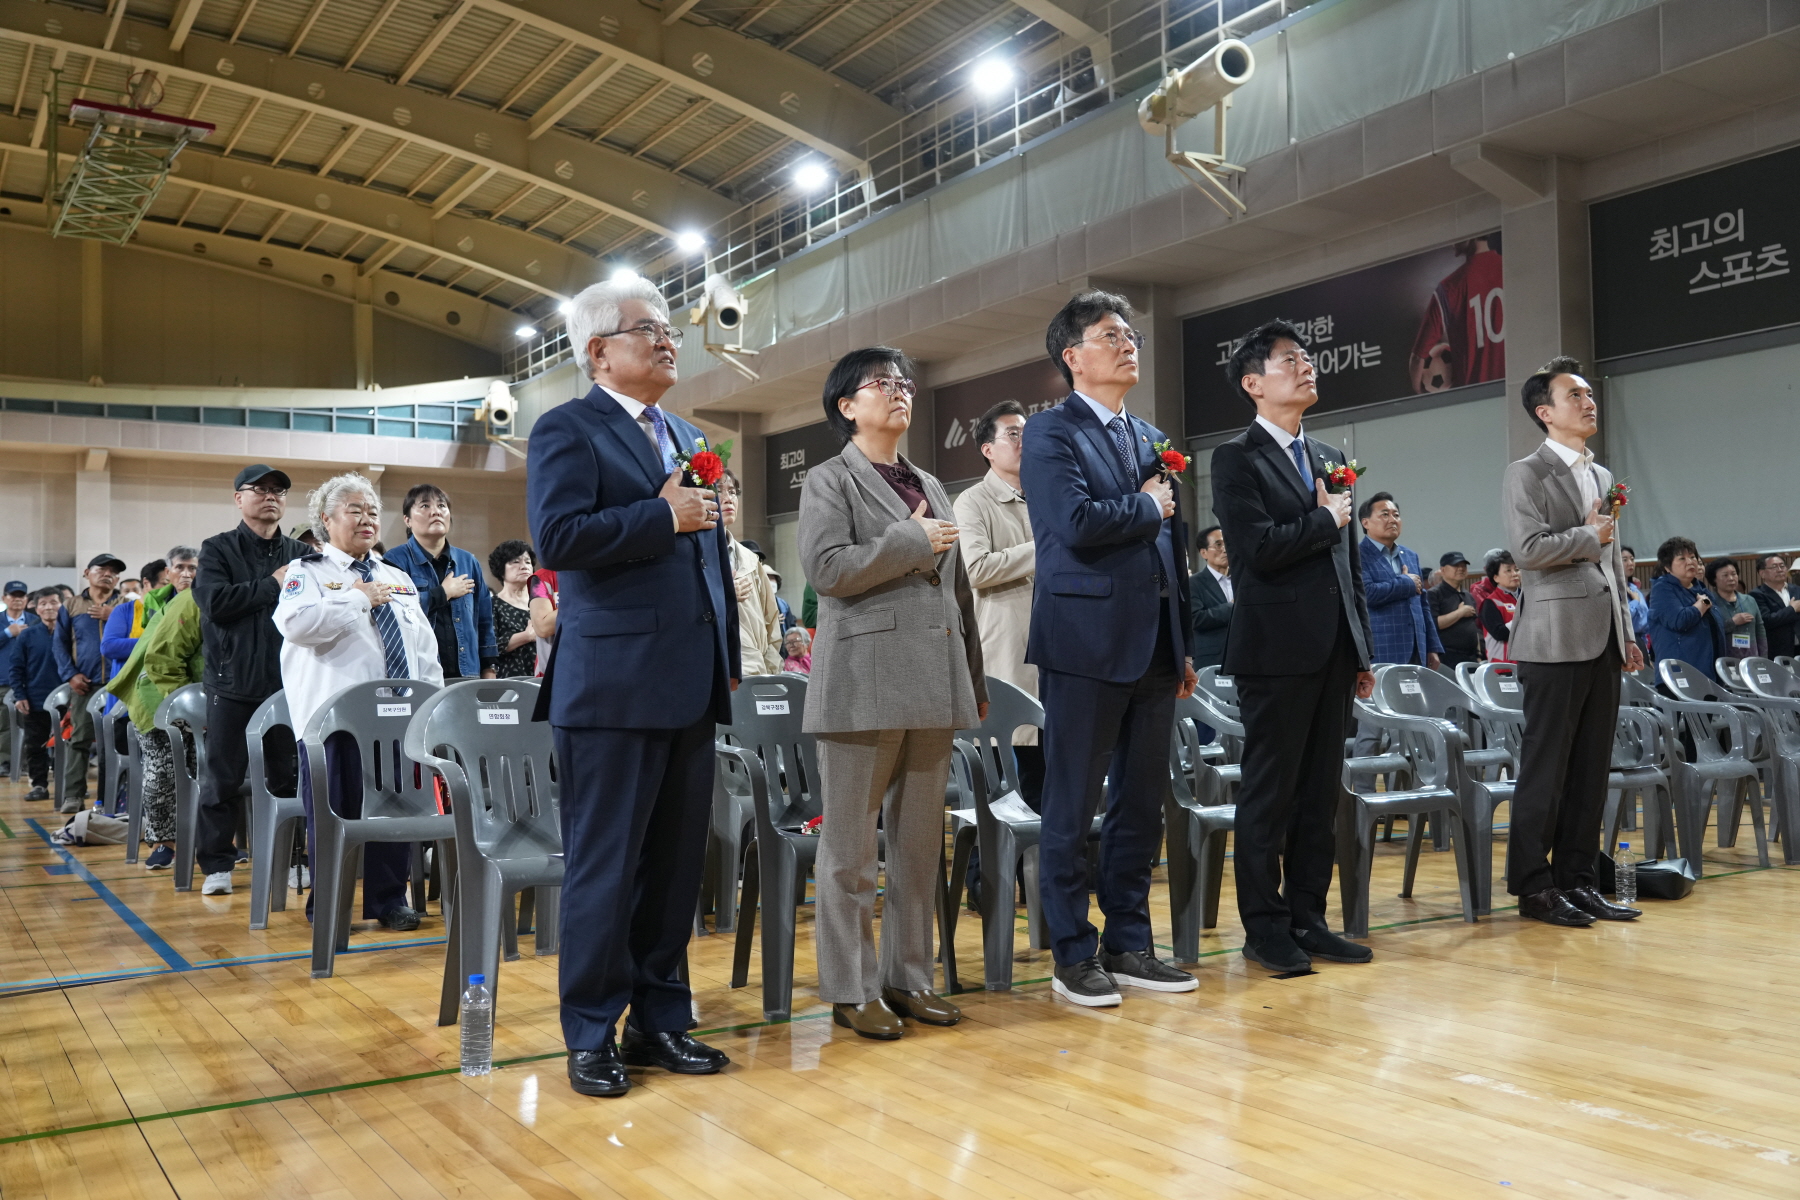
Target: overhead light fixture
{"points": [[810, 177], [992, 76], [566, 308], [525, 331], [689, 242], [623, 275]]}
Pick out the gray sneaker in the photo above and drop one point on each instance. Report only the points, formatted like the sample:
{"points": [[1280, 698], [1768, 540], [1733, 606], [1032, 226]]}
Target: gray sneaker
{"points": [[1141, 968], [1087, 984]]}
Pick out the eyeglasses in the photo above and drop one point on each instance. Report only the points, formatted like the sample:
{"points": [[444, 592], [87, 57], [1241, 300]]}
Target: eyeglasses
{"points": [[274, 493], [1113, 342], [1013, 435], [892, 386], [652, 330]]}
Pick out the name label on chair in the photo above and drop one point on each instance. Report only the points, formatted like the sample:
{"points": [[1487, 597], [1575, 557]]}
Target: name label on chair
{"points": [[393, 710], [1508, 685], [497, 716], [1681, 683], [1764, 677], [771, 708], [1411, 687]]}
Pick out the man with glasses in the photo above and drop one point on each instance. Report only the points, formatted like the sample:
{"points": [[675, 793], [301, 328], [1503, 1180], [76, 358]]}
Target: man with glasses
{"points": [[237, 589], [643, 666], [1109, 631], [1780, 603], [1299, 648]]}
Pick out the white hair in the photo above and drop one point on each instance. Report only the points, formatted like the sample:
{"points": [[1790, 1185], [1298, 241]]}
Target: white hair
{"points": [[330, 495], [595, 310]]}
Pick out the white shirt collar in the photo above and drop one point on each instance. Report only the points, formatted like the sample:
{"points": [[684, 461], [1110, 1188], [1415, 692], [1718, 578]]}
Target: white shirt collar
{"points": [[633, 408], [1217, 575], [335, 555], [1282, 437], [1100, 410], [1570, 457]]}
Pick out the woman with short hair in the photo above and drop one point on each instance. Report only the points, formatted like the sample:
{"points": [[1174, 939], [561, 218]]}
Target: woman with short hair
{"points": [[512, 563], [896, 670]]}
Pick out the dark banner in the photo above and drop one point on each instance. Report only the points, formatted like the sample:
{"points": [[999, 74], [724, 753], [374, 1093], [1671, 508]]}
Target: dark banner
{"points": [[1427, 323], [1697, 259], [790, 455], [1036, 385]]}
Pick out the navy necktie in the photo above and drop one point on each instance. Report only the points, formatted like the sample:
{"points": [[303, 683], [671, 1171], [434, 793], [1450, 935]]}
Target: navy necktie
{"points": [[1122, 442], [1299, 453], [393, 646]]}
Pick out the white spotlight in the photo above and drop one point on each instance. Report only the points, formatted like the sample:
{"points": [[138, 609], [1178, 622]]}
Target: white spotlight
{"points": [[623, 275], [810, 177], [525, 331], [689, 242], [566, 308], [992, 76]]}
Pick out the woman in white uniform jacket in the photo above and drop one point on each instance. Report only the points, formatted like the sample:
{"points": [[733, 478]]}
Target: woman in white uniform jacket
{"points": [[332, 639]]}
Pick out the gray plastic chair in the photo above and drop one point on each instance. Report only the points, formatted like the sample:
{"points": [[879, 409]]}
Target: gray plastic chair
{"points": [[1774, 689], [1434, 751], [1723, 736], [17, 760], [1730, 678], [498, 769], [781, 762], [399, 802], [1197, 817], [733, 822], [182, 715], [275, 820], [134, 791], [57, 704], [104, 755], [1640, 754], [1415, 691]]}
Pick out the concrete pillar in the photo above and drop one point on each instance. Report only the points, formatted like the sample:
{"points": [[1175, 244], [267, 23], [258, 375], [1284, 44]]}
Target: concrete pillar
{"points": [[93, 299], [1549, 303], [749, 460], [93, 506], [363, 331]]}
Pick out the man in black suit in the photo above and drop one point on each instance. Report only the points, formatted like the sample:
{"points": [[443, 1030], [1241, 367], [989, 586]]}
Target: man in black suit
{"points": [[1209, 593], [1780, 604], [1299, 649]]}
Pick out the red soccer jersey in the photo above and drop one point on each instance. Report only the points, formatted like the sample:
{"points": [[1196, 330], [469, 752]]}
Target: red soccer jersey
{"points": [[1467, 312]]}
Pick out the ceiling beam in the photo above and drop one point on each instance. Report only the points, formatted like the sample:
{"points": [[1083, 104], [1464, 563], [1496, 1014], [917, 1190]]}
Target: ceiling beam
{"points": [[751, 17], [959, 40], [887, 29], [306, 26], [592, 77], [459, 191], [381, 257], [530, 81], [483, 59], [351, 133], [368, 34], [674, 10], [821, 21], [712, 143], [181, 21], [693, 109], [432, 41], [631, 110]]}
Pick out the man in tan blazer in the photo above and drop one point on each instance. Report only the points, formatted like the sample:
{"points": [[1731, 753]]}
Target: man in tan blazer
{"points": [[1002, 563], [1571, 639]]}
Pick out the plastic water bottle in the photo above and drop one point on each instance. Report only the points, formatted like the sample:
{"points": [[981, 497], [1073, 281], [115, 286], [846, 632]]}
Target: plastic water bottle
{"points": [[1624, 876], [477, 1027]]}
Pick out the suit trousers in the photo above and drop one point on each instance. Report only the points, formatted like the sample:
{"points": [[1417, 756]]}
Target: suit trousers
{"points": [[386, 866], [898, 774], [222, 777], [1089, 724], [1285, 840], [1571, 715], [635, 807]]}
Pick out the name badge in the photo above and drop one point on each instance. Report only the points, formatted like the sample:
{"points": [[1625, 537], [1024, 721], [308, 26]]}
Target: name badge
{"points": [[771, 708], [497, 716], [1740, 641], [393, 710], [1681, 683]]}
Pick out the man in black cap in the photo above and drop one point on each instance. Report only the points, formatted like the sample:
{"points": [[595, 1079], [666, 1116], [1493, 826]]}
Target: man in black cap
{"points": [[76, 645], [237, 590], [1454, 609], [17, 620]]}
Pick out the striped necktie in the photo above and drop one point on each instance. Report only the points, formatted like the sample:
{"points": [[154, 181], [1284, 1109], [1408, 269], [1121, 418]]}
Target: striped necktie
{"points": [[393, 646]]}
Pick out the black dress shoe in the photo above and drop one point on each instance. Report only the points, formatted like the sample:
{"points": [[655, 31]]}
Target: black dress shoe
{"points": [[1591, 902], [1553, 908], [1276, 952], [598, 1072], [1323, 943], [675, 1052]]}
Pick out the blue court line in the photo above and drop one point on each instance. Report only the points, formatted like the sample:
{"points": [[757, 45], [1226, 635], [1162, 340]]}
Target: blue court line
{"points": [[151, 938], [209, 964]]}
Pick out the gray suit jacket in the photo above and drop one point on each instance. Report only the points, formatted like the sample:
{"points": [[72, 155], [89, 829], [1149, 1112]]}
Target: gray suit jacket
{"points": [[1571, 598], [897, 644]]}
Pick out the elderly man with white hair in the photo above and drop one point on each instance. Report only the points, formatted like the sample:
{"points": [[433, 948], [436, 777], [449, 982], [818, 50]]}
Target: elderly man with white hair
{"points": [[644, 663], [347, 617]]}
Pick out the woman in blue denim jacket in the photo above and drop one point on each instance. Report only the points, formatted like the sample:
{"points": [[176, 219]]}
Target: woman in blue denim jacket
{"points": [[452, 589]]}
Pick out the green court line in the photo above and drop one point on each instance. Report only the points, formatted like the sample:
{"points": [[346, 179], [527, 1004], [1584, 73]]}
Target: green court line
{"points": [[7, 829]]}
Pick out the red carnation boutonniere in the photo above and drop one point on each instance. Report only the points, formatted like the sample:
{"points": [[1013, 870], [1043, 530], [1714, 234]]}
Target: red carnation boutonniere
{"points": [[703, 467], [1172, 463], [812, 826], [1617, 497], [1341, 477]]}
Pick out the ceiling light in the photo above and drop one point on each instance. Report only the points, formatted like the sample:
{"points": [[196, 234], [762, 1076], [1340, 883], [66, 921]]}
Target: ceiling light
{"points": [[525, 331], [811, 177], [566, 308], [992, 76], [623, 275], [689, 242]]}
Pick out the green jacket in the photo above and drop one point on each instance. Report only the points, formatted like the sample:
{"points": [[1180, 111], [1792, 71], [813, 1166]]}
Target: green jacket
{"points": [[168, 656]]}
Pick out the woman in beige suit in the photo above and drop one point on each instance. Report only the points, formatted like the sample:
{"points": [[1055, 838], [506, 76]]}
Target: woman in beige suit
{"points": [[896, 670]]}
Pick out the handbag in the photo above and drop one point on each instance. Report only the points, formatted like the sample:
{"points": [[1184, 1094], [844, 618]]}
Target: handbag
{"points": [[1657, 878]]}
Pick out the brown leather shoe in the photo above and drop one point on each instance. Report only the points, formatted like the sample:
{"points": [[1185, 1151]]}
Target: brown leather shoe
{"points": [[926, 1007], [871, 1020]]}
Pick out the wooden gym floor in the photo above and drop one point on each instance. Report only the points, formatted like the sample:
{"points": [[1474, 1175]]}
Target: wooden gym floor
{"points": [[151, 1046]]}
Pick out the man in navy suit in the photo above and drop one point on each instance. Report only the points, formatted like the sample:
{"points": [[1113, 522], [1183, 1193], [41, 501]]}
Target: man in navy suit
{"points": [[1299, 648], [644, 664], [1109, 624]]}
